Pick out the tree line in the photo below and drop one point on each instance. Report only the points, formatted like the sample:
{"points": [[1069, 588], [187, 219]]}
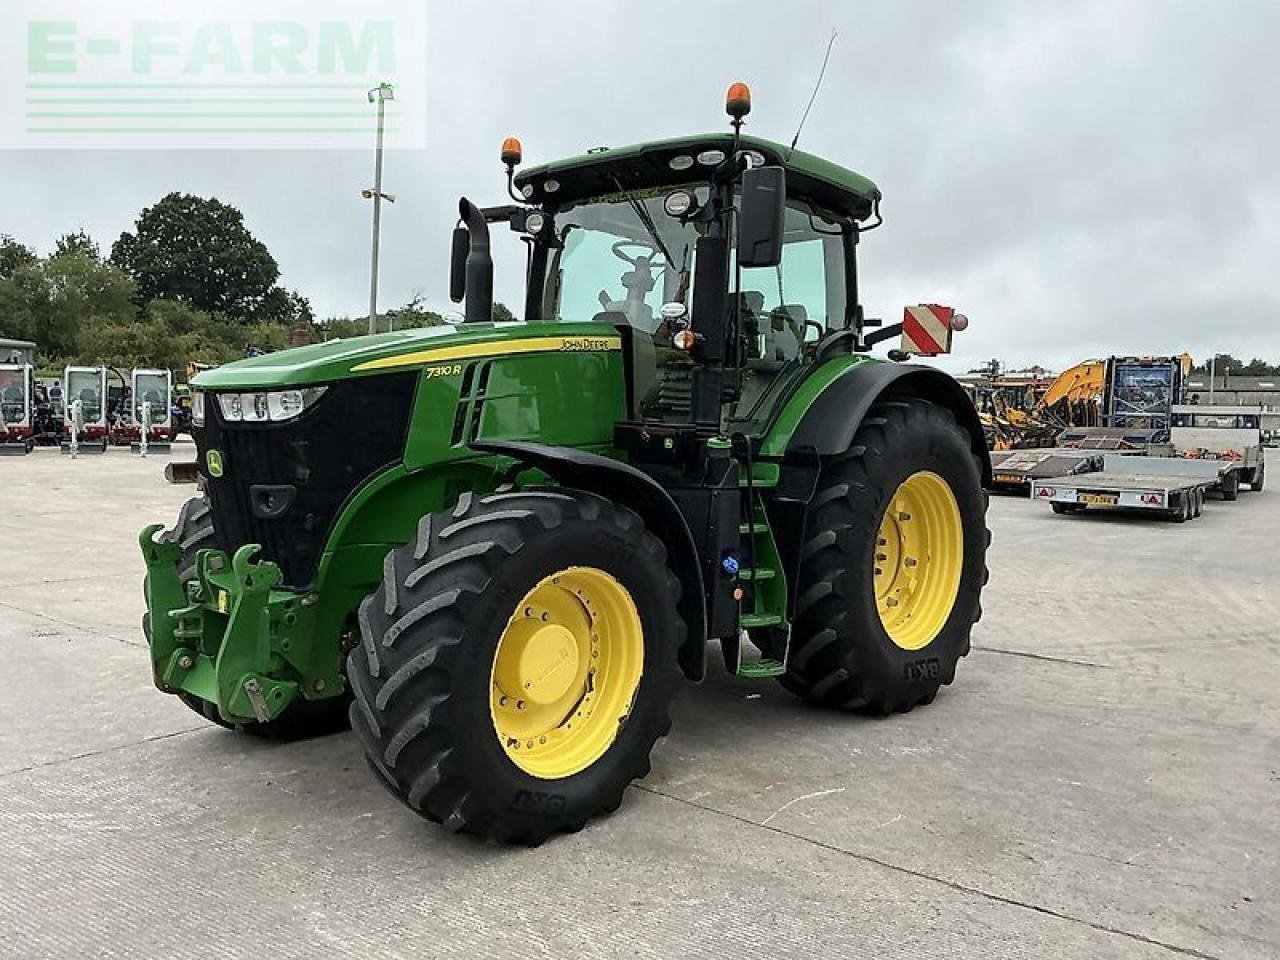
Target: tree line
{"points": [[189, 282], [1225, 363]]}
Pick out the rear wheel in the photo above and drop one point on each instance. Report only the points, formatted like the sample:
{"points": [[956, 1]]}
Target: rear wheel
{"points": [[1231, 485], [517, 663], [1181, 510], [303, 718], [1067, 508], [893, 564]]}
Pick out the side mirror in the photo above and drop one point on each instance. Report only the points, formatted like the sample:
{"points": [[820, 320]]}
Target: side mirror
{"points": [[761, 210], [458, 264]]}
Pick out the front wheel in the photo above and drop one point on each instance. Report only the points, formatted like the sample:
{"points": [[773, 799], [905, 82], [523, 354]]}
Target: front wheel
{"points": [[518, 662], [893, 564]]}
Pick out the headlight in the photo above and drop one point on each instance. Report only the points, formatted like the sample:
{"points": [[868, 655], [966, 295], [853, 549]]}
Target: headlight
{"points": [[197, 408], [275, 406]]}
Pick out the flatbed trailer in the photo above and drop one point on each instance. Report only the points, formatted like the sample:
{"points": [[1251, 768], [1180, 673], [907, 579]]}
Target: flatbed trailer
{"points": [[1172, 486], [1017, 470]]}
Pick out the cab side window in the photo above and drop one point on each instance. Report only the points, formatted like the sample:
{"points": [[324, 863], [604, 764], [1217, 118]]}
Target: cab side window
{"points": [[783, 310]]}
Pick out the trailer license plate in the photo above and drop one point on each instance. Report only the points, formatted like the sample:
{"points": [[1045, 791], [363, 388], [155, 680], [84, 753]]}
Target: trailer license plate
{"points": [[1102, 499]]}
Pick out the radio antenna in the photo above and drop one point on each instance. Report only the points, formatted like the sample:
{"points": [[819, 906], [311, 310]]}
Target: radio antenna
{"points": [[814, 96]]}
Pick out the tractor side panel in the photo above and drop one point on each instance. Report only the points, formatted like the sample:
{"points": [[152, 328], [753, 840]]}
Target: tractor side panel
{"points": [[566, 398]]}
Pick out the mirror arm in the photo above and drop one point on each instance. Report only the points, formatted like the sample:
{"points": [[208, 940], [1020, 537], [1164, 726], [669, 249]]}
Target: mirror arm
{"points": [[479, 264]]}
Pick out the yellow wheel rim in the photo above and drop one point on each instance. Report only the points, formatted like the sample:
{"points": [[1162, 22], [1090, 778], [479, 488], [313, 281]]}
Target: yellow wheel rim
{"points": [[919, 555], [566, 672]]}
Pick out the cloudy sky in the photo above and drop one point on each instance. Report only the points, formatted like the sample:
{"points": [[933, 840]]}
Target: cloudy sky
{"points": [[1080, 179]]}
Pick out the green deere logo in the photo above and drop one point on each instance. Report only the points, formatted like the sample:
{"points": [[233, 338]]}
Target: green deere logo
{"points": [[214, 460]]}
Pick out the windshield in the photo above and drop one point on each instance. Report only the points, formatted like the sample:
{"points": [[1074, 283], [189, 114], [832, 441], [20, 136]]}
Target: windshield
{"points": [[1143, 390], [620, 255], [86, 386], [13, 404], [152, 388]]}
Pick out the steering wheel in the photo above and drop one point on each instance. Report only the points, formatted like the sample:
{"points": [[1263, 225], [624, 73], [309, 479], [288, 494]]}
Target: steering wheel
{"points": [[650, 252]]}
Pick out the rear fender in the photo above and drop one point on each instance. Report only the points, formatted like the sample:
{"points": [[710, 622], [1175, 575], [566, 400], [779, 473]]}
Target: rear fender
{"points": [[833, 418]]}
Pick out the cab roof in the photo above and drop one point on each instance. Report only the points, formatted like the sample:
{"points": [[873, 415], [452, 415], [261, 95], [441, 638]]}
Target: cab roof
{"points": [[646, 165]]}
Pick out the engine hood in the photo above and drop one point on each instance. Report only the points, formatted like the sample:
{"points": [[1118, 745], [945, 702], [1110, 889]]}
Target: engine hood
{"points": [[402, 350]]}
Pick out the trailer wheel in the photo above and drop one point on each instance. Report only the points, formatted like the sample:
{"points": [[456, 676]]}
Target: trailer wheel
{"points": [[893, 565], [1197, 502], [1066, 507], [1231, 485], [1253, 478], [518, 662], [303, 718]]}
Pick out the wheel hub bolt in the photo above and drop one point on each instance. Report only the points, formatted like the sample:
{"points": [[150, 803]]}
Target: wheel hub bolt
{"points": [[185, 662]]}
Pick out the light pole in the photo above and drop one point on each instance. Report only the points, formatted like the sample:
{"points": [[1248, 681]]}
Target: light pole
{"points": [[379, 95]]}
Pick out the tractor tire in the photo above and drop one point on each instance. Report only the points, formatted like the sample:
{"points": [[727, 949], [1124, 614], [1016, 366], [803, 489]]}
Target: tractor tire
{"points": [[303, 718], [851, 647], [1231, 486], [552, 595]]}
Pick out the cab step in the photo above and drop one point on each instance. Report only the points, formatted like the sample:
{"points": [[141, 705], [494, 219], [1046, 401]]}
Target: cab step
{"points": [[757, 669], [748, 656], [753, 621]]}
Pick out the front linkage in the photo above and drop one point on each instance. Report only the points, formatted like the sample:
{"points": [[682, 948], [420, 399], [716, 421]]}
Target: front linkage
{"points": [[228, 636]]}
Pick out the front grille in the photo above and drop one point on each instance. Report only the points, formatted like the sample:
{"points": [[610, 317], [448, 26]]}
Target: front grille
{"points": [[357, 428]]}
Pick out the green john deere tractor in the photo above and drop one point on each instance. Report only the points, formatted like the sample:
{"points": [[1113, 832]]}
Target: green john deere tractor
{"points": [[496, 547]]}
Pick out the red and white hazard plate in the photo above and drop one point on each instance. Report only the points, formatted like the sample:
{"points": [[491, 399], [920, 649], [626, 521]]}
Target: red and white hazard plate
{"points": [[926, 329]]}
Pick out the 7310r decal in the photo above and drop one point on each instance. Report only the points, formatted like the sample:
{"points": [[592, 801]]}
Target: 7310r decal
{"points": [[446, 370]]}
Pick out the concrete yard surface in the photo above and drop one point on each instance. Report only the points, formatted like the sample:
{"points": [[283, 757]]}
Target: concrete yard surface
{"points": [[1102, 781]]}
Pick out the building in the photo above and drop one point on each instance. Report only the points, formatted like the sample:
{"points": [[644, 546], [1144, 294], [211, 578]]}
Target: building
{"points": [[1237, 390], [17, 351]]}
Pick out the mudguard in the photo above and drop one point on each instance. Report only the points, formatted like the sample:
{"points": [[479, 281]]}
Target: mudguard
{"points": [[624, 484], [831, 421]]}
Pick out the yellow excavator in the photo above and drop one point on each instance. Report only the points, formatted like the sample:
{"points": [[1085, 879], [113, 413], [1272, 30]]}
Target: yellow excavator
{"points": [[1025, 409], [1073, 396], [1119, 404]]}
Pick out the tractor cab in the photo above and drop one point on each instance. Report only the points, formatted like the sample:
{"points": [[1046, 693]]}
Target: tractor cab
{"points": [[717, 325]]}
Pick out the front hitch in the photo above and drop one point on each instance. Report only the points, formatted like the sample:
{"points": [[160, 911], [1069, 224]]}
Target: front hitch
{"points": [[226, 637]]}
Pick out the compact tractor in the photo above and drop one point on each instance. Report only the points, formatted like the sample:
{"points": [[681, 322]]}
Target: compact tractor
{"points": [[500, 545]]}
